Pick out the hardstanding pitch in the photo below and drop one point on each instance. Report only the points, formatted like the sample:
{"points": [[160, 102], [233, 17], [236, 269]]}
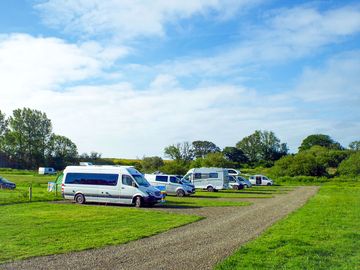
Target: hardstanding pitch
{"points": [[199, 245]]}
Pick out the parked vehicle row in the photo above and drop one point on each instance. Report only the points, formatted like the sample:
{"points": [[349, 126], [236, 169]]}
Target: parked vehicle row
{"points": [[126, 185]]}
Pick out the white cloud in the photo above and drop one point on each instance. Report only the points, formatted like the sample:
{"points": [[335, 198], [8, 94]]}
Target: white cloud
{"points": [[31, 64], [338, 81], [286, 35], [126, 19]]}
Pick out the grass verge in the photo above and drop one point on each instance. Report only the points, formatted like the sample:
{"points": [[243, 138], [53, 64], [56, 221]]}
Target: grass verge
{"points": [[193, 202], [47, 228], [324, 234]]}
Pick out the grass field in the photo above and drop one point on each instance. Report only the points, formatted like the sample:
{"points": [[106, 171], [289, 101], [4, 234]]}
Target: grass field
{"points": [[23, 179], [172, 201], [49, 228], [324, 234]]}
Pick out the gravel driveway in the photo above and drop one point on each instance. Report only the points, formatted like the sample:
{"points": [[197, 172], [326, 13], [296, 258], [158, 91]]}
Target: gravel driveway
{"points": [[199, 245]]}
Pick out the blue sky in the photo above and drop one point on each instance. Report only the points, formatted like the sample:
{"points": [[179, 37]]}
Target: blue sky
{"points": [[127, 78]]}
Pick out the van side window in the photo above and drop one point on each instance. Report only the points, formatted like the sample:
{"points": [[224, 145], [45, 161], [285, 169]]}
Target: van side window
{"points": [[197, 175], [213, 175], [161, 178], [92, 179], [173, 179], [127, 180]]}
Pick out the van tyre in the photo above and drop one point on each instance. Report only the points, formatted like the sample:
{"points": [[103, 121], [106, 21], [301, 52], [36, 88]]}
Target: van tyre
{"points": [[139, 202], [269, 184], [180, 193], [210, 189], [80, 198]]}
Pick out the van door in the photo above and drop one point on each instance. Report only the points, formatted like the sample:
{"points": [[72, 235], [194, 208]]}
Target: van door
{"points": [[127, 189], [258, 180], [173, 183]]}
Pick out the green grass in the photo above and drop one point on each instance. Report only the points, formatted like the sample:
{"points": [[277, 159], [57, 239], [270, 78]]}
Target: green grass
{"points": [[254, 192], [49, 228], [23, 179], [324, 234], [172, 201]]}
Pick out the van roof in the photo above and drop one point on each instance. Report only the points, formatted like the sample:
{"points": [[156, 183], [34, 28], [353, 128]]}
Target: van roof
{"points": [[101, 168]]}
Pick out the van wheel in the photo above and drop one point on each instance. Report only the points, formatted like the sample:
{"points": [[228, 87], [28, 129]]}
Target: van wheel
{"points": [[210, 189], [138, 202], [180, 193], [269, 184], [80, 198]]}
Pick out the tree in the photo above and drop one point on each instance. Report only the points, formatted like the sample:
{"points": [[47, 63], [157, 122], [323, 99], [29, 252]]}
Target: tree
{"points": [[27, 138], [234, 154], [61, 152], [3, 124], [216, 160], [262, 146], [179, 152], [321, 140], [202, 148], [350, 166], [355, 145], [151, 164]]}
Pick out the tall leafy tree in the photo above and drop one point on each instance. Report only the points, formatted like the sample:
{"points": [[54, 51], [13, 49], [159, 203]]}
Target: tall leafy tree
{"points": [[28, 135], [320, 140], [355, 145], [202, 148], [262, 146], [235, 154], [3, 124], [61, 151], [179, 152]]}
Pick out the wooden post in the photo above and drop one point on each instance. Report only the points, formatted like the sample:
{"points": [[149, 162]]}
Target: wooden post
{"points": [[30, 192]]}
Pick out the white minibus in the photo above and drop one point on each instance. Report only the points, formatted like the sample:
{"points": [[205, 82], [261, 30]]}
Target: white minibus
{"points": [[108, 184]]}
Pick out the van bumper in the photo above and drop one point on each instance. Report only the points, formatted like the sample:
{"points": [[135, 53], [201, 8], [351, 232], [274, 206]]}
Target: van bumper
{"points": [[152, 200]]}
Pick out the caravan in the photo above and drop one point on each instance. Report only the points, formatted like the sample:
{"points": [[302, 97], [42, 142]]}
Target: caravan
{"points": [[211, 179], [108, 184]]}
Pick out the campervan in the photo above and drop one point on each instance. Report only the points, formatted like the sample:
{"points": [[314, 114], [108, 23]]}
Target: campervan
{"points": [[260, 180], [172, 184], [108, 184], [46, 170], [211, 179]]}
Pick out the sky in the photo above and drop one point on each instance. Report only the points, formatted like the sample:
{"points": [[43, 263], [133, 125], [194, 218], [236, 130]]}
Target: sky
{"points": [[126, 78]]}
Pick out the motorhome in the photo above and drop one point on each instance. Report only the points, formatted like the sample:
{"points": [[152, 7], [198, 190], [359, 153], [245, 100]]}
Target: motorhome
{"points": [[211, 179], [46, 170], [260, 180], [173, 185], [108, 184]]}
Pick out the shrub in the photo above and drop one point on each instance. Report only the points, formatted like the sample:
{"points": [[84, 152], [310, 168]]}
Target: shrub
{"points": [[350, 166]]}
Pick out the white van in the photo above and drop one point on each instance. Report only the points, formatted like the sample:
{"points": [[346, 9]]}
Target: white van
{"points": [[46, 170], [260, 180], [172, 184], [108, 184], [211, 179]]}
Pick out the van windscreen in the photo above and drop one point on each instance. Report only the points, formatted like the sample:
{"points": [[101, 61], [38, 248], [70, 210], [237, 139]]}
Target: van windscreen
{"points": [[140, 180]]}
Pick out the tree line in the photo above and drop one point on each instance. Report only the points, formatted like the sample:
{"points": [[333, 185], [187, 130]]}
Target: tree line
{"points": [[27, 142]]}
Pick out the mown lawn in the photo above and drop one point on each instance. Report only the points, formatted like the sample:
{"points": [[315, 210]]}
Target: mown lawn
{"points": [[49, 228], [23, 179], [324, 234], [172, 201], [253, 192]]}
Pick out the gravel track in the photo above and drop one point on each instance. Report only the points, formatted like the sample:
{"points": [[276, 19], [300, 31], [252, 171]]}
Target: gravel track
{"points": [[199, 245]]}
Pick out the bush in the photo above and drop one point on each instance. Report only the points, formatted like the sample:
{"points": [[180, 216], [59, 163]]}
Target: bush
{"points": [[350, 166], [301, 179]]}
